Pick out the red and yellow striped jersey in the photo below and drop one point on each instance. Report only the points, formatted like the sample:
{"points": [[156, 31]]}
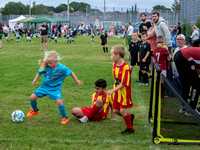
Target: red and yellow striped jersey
{"points": [[107, 100], [122, 76]]}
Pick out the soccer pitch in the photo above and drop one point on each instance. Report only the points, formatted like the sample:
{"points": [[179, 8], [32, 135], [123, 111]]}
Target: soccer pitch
{"points": [[18, 67]]}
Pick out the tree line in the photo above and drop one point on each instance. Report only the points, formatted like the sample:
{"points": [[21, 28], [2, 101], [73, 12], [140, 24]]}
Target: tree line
{"points": [[13, 8]]}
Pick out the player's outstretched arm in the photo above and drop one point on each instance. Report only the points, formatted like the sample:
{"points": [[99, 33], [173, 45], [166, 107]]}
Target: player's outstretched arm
{"points": [[35, 79], [78, 82], [110, 92]]}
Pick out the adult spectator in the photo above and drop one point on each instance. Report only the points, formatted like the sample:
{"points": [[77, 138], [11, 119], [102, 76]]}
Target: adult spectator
{"points": [[129, 33], [161, 28], [144, 27], [178, 28], [44, 34], [181, 43], [1, 35], [195, 36], [187, 61]]}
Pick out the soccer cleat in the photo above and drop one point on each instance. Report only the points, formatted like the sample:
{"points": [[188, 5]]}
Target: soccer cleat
{"points": [[164, 96], [32, 112], [182, 110], [141, 84], [187, 113], [132, 118], [84, 119], [146, 84], [128, 131], [65, 121]]}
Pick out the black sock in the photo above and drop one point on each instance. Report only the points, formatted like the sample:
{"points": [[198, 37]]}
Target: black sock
{"points": [[140, 75], [107, 49], [145, 78], [104, 49]]}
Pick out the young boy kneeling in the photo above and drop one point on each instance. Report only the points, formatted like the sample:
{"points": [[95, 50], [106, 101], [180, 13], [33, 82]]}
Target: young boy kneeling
{"points": [[100, 105]]}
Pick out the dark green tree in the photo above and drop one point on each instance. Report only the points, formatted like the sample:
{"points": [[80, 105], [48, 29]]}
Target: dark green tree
{"points": [[79, 6], [161, 8], [13, 8], [39, 10]]}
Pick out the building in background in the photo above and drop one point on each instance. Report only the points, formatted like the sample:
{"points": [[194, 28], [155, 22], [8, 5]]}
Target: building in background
{"points": [[190, 11]]}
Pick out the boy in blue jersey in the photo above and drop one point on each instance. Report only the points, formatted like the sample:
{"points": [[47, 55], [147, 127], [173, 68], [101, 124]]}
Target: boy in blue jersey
{"points": [[54, 75], [55, 36]]}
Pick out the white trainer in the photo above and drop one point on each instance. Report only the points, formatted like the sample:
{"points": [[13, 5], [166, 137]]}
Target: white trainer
{"points": [[84, 119]]}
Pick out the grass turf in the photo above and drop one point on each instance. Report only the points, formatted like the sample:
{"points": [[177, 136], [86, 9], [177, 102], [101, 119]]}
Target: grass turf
{"points": [[18, 67]]}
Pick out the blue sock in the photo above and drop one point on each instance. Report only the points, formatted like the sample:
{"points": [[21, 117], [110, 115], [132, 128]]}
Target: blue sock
{"points": [[34, 105], [62, 111]]}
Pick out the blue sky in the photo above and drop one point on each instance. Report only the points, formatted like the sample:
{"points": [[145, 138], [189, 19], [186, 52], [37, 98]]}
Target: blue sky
{"points": [[118, 4]]}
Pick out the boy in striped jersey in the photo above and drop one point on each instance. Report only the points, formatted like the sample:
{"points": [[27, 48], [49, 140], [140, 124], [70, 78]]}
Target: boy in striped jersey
{"points": [[101, 102], [122, 87]]}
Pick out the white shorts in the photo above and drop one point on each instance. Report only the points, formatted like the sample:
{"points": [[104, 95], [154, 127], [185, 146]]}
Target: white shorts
{"points": [[28, 38], [55, 38], [62, 31]]}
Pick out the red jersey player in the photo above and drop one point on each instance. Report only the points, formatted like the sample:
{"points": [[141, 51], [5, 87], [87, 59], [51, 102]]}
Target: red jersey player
{"points": [[122, 87], [161, 55], [101, 102]]}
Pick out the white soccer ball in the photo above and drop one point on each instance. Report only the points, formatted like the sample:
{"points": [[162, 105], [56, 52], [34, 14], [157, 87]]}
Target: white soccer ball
{"points": [[17, 116]]}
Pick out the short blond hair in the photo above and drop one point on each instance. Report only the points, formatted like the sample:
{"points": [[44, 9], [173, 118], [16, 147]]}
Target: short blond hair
{"points": [[52, 55], [160, 39], [119, 49]]}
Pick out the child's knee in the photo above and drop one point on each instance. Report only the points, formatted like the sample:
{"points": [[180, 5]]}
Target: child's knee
{"points": [[59, 102], [123, 112], [33, 97], [74, 111]]}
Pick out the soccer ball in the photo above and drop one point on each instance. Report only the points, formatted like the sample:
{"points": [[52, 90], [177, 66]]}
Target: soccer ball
{"points": [[17, 116]]}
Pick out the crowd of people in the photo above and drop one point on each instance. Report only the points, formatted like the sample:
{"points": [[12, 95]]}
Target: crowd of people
{"points": [[151, 42]]}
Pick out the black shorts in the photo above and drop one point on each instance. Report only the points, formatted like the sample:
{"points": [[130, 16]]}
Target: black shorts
{"points": [[144, 66], [134, 60], [103, 43]]}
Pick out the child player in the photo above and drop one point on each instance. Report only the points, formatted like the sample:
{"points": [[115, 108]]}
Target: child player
{"points": [[17, 37], [100, 105], [92, 37], [133, 50], [55, 35], [54, 75], [122, 87], [144, 58], [104, 40], [29, 36], [6, 35], [161, 55]]}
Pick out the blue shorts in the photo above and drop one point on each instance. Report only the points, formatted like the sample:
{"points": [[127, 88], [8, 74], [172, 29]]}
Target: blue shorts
{"points": [[52, 92]]}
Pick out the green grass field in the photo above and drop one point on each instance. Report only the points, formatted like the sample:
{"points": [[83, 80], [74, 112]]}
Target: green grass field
{"points": [[18, 67]]}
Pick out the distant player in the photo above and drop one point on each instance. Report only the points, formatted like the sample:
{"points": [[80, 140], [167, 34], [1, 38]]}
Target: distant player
{"points": [[29, 34], [101, 102], [17, 37], [92, 37], [104, 40], [133, 50], [6, 35], [55, 35], [144, 58], [122, 87], [54, 75]]}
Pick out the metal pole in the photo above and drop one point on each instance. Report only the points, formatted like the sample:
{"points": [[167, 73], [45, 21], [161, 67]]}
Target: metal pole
{"points": [[104, 14], [29, 8], [86, 13], [67, 10]]}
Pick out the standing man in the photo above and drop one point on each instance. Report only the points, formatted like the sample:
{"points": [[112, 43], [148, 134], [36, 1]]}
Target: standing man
{"points": [[188, 65], [1, 35], [144, 27], [161, 28], [129, 33], [44, 34], [181, 43], [178, 28]]}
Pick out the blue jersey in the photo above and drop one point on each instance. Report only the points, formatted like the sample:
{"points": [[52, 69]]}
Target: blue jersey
{"points": [[55, 77]]}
